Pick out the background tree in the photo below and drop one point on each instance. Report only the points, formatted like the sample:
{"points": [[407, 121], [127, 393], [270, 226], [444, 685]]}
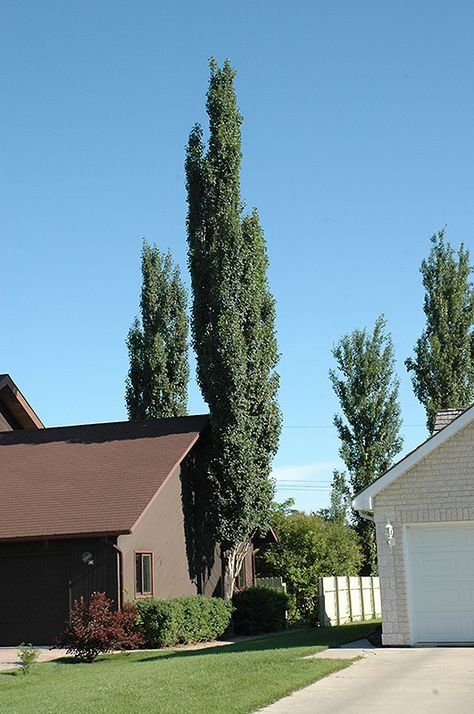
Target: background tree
{"points": [[309, 547], [340, 499], [233, 317], [157, 382], [369, 427], [443, 367]]}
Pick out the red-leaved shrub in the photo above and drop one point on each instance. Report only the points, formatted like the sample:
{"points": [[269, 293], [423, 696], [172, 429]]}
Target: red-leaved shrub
{"points": [[95, 627]]}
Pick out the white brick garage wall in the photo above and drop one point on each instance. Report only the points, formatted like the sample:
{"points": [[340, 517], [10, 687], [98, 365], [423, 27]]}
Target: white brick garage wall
{"points": [[438, 489]]}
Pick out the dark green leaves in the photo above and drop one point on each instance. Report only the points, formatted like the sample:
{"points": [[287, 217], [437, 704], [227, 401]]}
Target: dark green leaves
{"points": [[158, 376], [369, 426], [443, 366], [233, 315]]}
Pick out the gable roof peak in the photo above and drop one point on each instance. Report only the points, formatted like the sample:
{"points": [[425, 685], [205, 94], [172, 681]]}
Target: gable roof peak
{"points": [[363, 501], [15, 408]]}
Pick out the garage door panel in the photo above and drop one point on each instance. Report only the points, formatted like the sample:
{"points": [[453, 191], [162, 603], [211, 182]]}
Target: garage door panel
{"points": [[438, 567], [437, 599], [469, 537], [435, 539], [442, 583], [34, 597]]}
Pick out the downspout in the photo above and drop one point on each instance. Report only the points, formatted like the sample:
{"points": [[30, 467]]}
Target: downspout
{"points": [[120, 569]]}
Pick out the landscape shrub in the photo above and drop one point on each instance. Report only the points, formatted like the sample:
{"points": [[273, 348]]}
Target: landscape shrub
{"points": [[308, 548], [95, 627], [27, 655], [259, 609], [183, 620]]}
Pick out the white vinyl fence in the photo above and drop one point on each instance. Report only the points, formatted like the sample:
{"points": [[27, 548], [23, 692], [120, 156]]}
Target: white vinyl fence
{"points": [[348, 599]]}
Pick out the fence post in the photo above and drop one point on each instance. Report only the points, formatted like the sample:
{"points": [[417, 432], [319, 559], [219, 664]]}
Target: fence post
{"points": [[336, 593], [372, 597], [349, 597], [362, 607]]}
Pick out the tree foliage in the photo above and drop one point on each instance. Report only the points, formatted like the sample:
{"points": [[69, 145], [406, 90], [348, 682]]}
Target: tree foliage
{"points": [[369, 427], [309, 547], [95, 627], [233, 316], [340, 499], [443, 366], [157, 382]]}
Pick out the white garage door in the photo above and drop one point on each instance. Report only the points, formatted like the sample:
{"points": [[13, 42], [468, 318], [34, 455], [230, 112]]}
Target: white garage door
{"points": [[442, 582]]}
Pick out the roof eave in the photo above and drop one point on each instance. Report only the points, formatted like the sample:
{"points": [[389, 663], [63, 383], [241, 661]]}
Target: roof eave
{"points": [[65, 536], [30, 418], [362, 503]]}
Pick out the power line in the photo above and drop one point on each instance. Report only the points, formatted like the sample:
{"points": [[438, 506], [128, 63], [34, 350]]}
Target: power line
{"points": [[301, 481], [331, 426], [303, 488]]}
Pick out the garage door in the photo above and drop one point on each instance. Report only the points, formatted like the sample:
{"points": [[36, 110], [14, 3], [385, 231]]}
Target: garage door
{"points": [[34, 597], [442, 582]]}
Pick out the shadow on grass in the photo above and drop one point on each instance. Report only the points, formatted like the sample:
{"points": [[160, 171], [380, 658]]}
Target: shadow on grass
{"points": [[310, 637]]}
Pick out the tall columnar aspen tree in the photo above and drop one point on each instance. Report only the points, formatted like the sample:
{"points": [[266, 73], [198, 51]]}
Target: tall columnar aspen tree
{"points": [[233, 329], [369, 427], [443, 366], [157, 382]]}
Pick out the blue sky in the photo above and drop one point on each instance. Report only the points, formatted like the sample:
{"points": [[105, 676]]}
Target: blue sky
{"points": [[357, 142]]}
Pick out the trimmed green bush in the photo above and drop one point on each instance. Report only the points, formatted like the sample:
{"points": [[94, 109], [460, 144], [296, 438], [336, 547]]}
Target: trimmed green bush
{"points": [[259, 609], [183, 620]]}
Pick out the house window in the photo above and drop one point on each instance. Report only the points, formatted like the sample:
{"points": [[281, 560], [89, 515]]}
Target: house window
{"points": [[143, 574], [242, 577]]}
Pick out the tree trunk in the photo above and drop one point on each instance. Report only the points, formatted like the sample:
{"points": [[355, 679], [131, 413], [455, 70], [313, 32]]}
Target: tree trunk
{"points": [[232, 559]]}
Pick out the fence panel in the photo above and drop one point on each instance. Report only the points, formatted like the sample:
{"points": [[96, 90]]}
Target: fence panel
{"points": [[275, 583], [345, 599]]}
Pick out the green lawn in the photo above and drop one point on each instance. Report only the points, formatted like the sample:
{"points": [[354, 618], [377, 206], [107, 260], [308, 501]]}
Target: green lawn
{"points": [[233, 679]]}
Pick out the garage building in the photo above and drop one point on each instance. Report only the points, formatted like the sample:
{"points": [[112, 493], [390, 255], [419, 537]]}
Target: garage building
{"points": [[423, 508]]}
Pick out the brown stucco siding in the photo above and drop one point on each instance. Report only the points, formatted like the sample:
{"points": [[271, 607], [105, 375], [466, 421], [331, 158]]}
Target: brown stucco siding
{"points": [[161, 531], [439, 489]]}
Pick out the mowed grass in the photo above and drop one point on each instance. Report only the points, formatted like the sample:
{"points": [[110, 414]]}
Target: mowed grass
{"points": [[234, 679]]}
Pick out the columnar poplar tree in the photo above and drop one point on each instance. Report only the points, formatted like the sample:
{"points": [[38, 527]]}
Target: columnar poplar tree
{"points": [[369, 427], [233, 316], [443, 367], [157, 382], [339, 499]]}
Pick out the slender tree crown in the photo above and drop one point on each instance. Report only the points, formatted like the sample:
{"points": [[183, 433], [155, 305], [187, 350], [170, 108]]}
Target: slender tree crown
{"points": [[157, 382], [233, 316], [339, 500], [369, 427], [443, 366]]}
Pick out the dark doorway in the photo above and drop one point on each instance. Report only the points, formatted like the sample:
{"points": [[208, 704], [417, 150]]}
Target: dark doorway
{"points": [[34, 597]]}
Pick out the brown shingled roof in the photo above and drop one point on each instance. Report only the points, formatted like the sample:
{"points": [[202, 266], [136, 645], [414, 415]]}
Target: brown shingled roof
{"points": [[445, 417], [91, 479]]}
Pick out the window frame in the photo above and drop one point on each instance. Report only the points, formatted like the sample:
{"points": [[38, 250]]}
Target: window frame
{"points": [[141, 593], [242, 574]]}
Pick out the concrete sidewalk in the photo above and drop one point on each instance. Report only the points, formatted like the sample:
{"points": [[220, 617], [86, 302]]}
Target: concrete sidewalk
{"points": [[438, 680]]}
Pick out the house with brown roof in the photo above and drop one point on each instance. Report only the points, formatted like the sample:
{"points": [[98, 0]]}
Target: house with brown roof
{"points": [[113, 507]]}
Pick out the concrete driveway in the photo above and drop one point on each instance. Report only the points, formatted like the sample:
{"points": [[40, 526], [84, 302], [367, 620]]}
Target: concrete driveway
{"points": [[9, 656], [438, 680]]}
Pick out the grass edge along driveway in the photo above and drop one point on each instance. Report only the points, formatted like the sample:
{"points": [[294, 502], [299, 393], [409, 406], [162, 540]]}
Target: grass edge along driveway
{"points": [[233, 679]]}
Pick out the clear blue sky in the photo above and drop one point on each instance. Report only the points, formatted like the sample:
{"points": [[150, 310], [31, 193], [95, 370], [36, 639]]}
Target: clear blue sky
{"points": [[358, 145]]}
